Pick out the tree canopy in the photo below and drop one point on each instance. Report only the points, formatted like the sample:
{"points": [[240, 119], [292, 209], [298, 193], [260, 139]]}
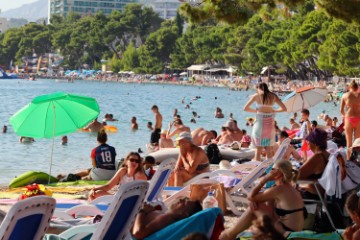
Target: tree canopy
{"points": [[302, 42]]}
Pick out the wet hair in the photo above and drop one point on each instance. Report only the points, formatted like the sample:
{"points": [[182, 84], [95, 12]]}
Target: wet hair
{"points": [[244, 131], [353, 203], [292, 120], [267, 93], [284, 134], [102, 136], [154, 107], [149, 159], [306, 112], [214, 133], [134, 118], [290, 175], [223, 129], [140, 165], [234, 121], [353, 85], [149, 123]]}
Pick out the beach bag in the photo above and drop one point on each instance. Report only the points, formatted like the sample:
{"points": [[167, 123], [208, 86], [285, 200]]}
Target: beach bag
{"points": [[213, 153], [199, 191]]}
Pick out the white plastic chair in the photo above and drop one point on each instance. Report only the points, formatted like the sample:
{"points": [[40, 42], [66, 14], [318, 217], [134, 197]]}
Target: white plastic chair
{"points": [[97, 206], [118, 219], [28, 219], [239, 192]]}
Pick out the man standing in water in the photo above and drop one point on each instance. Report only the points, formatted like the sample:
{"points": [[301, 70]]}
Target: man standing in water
{"points": [[155, 135]]}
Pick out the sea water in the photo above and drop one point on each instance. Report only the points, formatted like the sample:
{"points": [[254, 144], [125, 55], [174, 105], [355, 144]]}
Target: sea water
{"points": [[123, 100]]}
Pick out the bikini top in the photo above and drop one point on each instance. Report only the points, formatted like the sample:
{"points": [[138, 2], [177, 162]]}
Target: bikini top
{"points": [[282, 212]]}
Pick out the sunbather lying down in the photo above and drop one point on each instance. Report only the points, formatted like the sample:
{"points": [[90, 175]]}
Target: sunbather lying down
{"points": [[152, 218]]}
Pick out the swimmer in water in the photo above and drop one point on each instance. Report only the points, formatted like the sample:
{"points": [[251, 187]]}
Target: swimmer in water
{"points": [[134, 125], [149, 126], [64, 140]]}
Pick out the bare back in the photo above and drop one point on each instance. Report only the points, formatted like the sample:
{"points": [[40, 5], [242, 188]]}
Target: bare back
{"points": [[267, 106]]}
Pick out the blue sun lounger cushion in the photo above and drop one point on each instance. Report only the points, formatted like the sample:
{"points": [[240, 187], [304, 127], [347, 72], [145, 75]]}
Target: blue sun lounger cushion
{"points": [[201, 222]]}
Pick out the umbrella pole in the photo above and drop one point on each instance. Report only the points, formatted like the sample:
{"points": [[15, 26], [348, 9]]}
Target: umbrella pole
{"points": [[53, 143]]}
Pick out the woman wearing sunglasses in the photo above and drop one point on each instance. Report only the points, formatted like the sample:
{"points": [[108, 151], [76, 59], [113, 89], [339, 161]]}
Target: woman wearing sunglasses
{"points": [[283, 203], [131, 170]]}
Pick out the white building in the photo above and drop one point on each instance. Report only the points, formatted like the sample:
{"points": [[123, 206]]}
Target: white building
{"points": [[166, 9]]}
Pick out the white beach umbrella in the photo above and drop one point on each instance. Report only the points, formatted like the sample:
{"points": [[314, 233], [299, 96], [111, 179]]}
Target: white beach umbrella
{"points": [[305, 97]]}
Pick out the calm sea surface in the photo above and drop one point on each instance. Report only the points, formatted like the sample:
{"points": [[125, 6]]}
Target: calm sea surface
{"points": [[122, 100]]}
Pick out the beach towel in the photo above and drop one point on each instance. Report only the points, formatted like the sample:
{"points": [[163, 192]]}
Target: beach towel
{"points": [[299, 235], [332, 181], [263, 132], [209, 222]]}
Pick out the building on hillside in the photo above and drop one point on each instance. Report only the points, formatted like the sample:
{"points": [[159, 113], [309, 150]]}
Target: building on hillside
{"points": [[86, 7], [166, 9]]}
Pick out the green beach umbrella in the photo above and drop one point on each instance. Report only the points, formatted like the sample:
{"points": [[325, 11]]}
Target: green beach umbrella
{"points": [[51, 115]]}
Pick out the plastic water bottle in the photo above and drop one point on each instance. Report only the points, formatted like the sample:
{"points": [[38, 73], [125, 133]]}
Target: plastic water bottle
{"points": [[210, 201]]}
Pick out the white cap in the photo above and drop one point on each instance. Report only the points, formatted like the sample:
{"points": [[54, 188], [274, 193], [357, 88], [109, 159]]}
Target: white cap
{"points": [[184, 135]]}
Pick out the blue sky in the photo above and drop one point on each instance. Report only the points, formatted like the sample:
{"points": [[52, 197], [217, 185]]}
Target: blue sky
{"points": [[8, 4]]}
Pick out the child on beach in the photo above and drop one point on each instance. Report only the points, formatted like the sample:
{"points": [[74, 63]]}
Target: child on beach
{"points": [[353, 208], [149, 162], [304, 132]]}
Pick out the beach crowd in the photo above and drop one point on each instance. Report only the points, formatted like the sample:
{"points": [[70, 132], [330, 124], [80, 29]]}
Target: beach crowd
{"points": [[273, 212]]}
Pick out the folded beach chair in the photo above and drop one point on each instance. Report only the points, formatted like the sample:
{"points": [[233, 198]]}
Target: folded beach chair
{"points": [[118, 219], [209, 222], [98, 206], [28, 219]]}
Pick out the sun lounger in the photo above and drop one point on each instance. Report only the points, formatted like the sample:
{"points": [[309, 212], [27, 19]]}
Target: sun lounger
{"points": [[99, 205], [28, 219], [118, 219]]}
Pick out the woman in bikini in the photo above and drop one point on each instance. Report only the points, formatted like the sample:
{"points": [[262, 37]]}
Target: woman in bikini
{"points": [[314, 167], [283, 203], [263, 132], [350, 110], [131, 170]]}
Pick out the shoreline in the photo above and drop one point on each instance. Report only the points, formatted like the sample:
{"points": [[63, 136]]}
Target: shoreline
{"points": [[242, 86]]}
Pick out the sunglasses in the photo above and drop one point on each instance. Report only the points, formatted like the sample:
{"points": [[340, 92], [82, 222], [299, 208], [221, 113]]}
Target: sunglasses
{"points": [[135, 160]]}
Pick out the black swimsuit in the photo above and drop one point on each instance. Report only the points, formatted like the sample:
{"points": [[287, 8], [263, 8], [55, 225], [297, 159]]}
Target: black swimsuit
{"points": [[282, 212]]}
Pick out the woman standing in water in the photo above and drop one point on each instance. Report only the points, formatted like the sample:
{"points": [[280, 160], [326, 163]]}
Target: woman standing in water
{"points": [[263, 133], [350, 110]]}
